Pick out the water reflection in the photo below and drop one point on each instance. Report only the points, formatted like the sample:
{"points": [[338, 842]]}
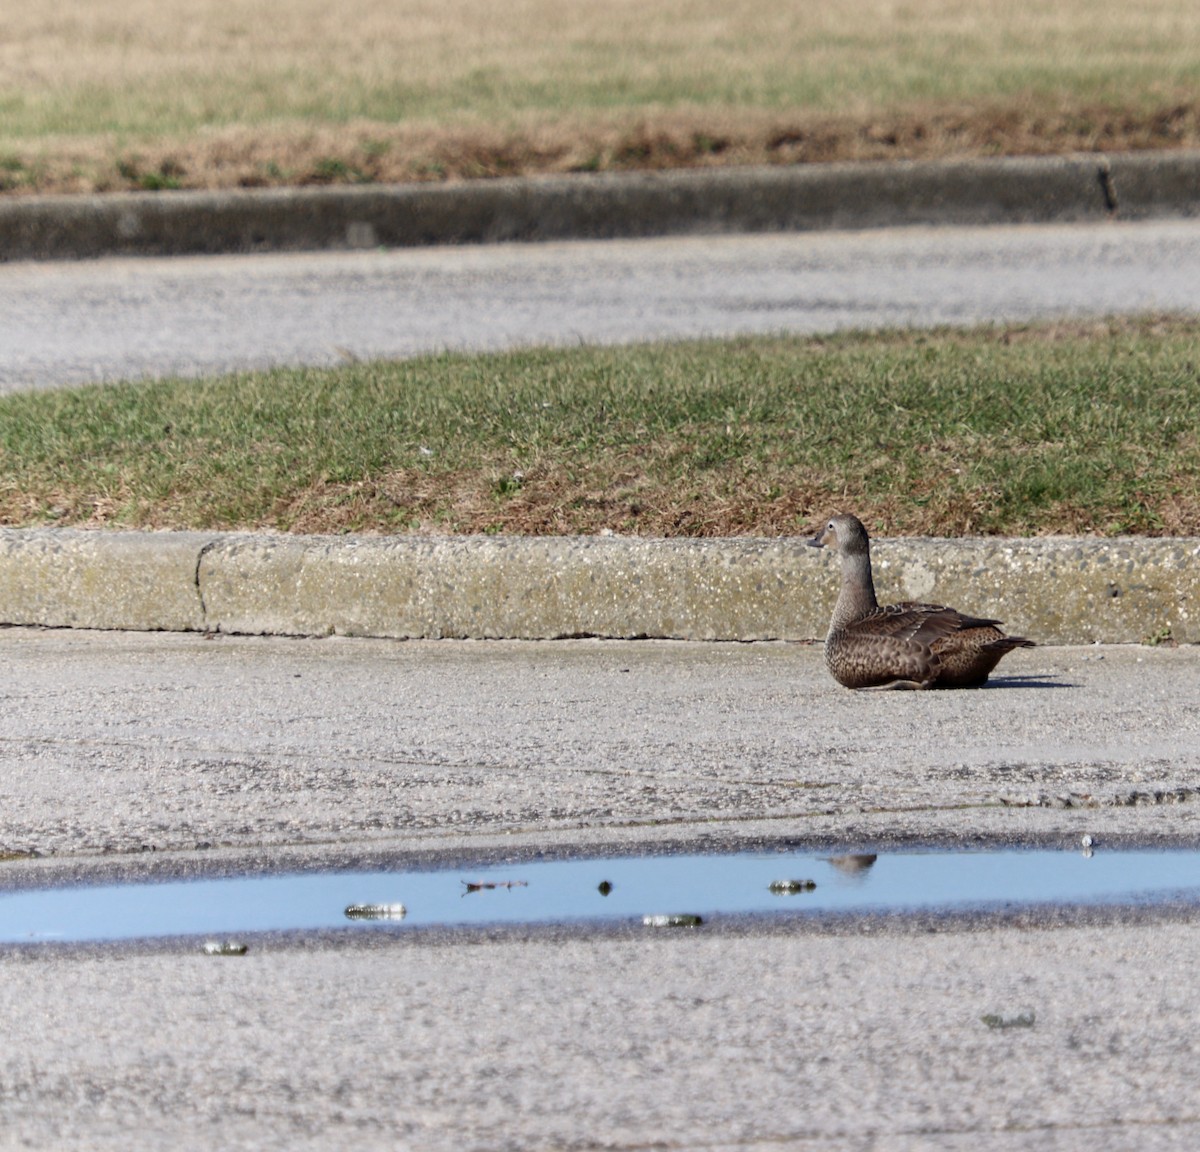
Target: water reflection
{"points": [[853, 867], [628, 888]]}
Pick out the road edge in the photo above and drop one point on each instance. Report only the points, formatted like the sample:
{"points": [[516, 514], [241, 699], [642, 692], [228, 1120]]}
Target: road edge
{"points": [[1055, 590], [1082, 187]]}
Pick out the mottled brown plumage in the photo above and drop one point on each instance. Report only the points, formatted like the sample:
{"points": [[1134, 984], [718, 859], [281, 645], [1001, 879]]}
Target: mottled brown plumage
{"points": [[901, 645]]}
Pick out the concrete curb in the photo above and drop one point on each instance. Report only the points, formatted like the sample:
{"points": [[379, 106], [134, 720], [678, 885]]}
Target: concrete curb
{"points": [[1054, 590], [1021, 190]]}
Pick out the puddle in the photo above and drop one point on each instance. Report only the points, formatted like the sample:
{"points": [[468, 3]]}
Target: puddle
{"points": [[629, 888]]}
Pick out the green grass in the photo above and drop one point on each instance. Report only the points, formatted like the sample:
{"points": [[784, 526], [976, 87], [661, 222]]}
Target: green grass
{"points": [[1013, 431]]}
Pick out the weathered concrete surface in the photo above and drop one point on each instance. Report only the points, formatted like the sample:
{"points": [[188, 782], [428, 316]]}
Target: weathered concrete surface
{"points": [[297, 753], [120, 742], [100, 580], [518, 587], [1063, 591], [779, 1042], [1021, 190], [1054, 590]]}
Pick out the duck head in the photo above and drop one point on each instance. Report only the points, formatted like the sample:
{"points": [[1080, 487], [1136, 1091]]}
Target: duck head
{"points": [[845, 534]]}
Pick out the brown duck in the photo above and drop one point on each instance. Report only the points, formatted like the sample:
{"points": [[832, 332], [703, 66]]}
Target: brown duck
{"points": [[901, 645]]}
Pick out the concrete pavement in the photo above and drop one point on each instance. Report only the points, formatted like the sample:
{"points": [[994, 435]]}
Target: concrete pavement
{"points": [[126, 743], [836, 1042], [124, 753]]}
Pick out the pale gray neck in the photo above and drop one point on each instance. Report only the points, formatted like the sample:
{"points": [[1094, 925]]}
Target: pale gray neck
{"points": [[857, 595]]}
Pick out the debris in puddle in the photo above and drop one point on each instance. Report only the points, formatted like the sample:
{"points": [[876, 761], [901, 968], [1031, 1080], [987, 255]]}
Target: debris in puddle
{"points": [[1025, 1020], [787, 887], [604, 888], [376, 911], [488, 885], [673, 920], [224, 948]]}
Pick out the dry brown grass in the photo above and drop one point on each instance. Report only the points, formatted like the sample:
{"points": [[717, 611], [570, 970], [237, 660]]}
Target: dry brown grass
{"points": [[365, 152], [555, 501], [225, 93]]}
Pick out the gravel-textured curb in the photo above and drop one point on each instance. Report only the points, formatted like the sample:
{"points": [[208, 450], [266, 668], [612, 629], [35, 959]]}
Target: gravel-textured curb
{"points": [[1023, 190], [1055, 590]]}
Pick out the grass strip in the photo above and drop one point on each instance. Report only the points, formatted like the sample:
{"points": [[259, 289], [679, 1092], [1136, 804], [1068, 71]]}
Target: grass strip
{"points": [[162, 94], [1018, 430]]}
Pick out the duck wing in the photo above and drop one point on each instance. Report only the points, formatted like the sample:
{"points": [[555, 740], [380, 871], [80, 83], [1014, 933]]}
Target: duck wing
{"points": [[909, 623]]}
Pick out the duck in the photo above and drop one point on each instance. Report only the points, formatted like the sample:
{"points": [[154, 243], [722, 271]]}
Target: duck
{"points": [[904, 645]]}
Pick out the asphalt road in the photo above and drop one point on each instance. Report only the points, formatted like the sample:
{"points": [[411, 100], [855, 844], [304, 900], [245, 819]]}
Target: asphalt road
{"points": [[116, 318], [122, 753], [129, 742]]}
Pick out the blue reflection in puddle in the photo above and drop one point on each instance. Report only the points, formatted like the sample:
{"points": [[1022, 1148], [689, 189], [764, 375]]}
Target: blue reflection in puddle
{"points": [[564, 890]]}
